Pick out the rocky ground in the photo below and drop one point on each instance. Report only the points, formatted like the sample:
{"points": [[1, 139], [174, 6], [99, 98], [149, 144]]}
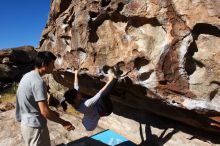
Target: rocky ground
{"points": [[10, 131], [156, 134]]}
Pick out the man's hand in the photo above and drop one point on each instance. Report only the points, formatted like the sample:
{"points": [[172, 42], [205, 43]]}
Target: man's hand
{"points": [[68, 126]]}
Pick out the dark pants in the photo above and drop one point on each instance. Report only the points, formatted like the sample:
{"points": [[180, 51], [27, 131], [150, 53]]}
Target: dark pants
{"points": [[104, 104]]}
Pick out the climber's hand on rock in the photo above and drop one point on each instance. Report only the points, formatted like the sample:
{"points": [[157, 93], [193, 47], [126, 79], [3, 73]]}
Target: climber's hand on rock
{"points": [[111, 75], [76, 71]]}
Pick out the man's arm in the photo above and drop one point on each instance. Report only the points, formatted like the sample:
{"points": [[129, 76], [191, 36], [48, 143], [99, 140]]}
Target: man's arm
{"points": [[53, 116]]}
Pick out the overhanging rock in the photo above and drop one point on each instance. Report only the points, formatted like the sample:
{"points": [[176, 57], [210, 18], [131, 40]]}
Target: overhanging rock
{"points": [[169, 53]]}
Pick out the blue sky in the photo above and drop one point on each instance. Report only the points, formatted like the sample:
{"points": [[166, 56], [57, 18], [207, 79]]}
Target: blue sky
{"points": [[22, 22]]}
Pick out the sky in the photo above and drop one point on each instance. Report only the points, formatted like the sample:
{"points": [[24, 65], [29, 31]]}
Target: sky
{"points": [[22, 22]]}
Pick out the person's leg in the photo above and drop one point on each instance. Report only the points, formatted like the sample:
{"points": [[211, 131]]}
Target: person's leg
{"points": [[45, 137], [105, 106], [35, 136]]}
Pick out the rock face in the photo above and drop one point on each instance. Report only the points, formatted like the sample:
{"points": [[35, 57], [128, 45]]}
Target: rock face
{"points": [[167, 51], [14, 62]]}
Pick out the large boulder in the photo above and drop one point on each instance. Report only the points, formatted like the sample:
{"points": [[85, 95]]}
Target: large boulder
{"points": [[8, 72], [14, 62], [167, 51]]}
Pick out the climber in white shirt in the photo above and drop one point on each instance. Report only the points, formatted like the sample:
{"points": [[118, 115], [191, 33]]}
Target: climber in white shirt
{"points": [[93, 108]]}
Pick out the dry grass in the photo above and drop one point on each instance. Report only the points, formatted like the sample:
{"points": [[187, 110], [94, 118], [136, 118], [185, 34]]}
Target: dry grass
{"points": [[72, 111], [8, 98], [9, 95]]}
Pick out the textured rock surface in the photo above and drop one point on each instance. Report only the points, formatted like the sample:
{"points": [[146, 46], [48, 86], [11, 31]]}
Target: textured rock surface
{"points": [[14, 62], [168, 50], [160, 133]]}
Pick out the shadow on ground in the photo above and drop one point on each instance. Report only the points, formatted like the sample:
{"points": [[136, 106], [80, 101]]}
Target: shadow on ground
{"points": [[88, 141], [168, 126], [85, 141]]}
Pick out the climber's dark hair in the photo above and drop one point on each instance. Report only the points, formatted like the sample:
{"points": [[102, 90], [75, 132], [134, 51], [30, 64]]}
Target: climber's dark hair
{"points": [[69, 97], [44, 58]]}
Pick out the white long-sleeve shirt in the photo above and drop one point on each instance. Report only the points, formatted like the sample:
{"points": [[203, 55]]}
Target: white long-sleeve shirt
{"points": [[89, 109]]}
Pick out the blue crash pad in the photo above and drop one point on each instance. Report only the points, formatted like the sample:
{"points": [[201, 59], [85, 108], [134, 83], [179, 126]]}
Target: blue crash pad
{"points": [[112, 138]]}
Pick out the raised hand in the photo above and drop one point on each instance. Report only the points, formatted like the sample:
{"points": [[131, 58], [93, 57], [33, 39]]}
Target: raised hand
{"points": [[76, 71], [111, 75]]}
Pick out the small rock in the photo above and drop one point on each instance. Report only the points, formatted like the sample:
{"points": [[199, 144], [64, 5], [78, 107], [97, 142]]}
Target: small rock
{"points": [[6, 60], [6, 106]]}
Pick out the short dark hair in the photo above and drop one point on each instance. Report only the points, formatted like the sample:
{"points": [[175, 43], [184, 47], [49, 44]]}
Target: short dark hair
{"points": [[44, 58], [69, 96]]}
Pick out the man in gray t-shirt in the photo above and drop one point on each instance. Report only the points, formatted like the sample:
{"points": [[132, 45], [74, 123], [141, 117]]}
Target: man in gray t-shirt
{"points": [[32, 109], [31, 90]]}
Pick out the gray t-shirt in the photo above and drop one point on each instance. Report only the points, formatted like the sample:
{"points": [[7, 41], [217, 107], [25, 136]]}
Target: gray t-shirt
{"points": [[31, 89]]}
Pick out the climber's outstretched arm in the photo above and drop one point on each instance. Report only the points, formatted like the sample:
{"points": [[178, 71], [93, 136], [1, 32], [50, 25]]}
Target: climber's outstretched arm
{"points": [[76, 81], [106, 89]]}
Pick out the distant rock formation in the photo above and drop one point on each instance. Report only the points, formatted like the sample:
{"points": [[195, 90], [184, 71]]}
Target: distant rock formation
{"points": [[167, 50], [14, 62]]}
